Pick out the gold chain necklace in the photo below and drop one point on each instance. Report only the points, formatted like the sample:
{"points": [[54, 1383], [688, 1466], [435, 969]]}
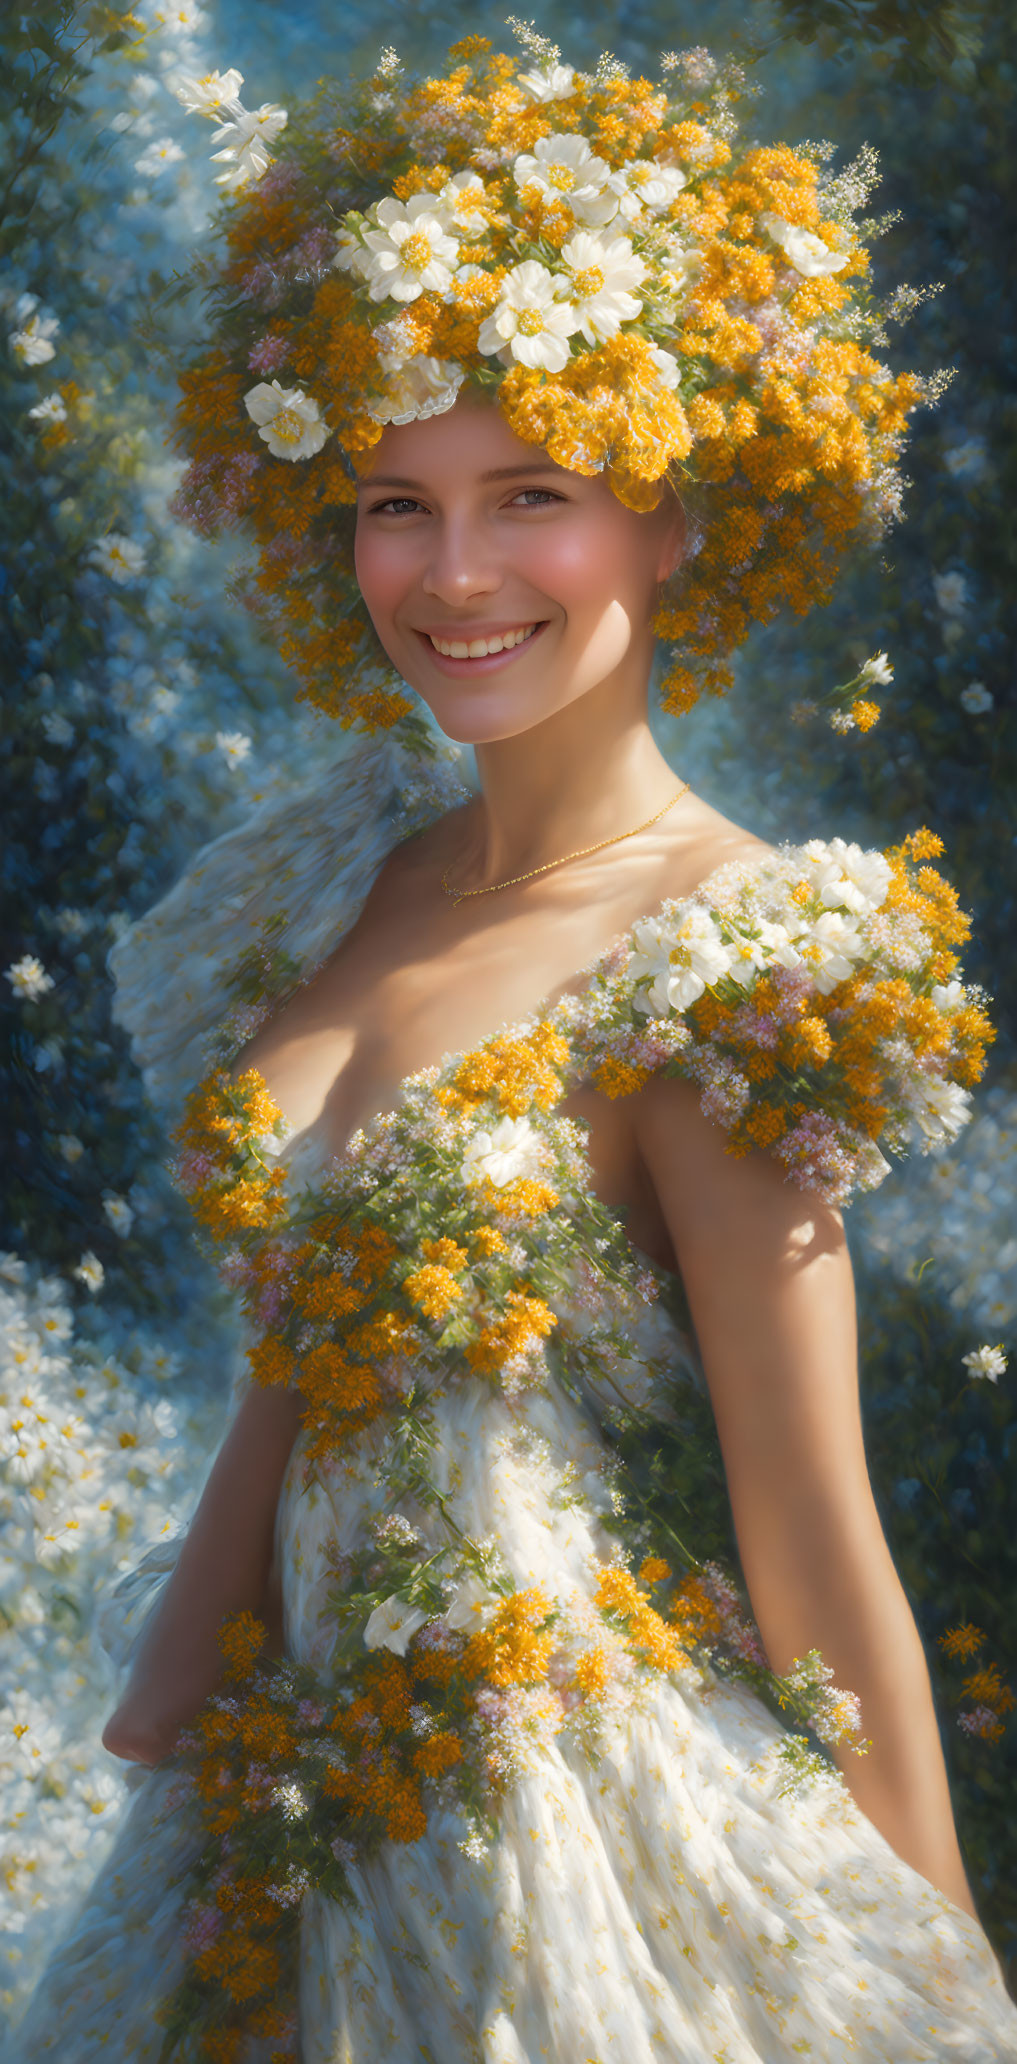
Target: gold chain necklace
{"points": [[579, 854]]}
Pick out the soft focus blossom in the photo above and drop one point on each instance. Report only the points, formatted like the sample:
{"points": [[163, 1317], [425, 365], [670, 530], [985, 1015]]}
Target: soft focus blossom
{"points": [[967, 460], [119, 1213], [939, 1108], [289, 421], [291, 1800], [805, 251], [245, 142], [235, 747], [510, 1149], [986, 1361], [211, 94], [877, 670], [530, 323], [646, 187], [28, 978], [57, 728], [90, 1271], [951, 590], [32, 344], [121, 557], [471, 1603], [553, 83], [157, 157], [52, 409], [70, 1147], [393, 1624], [178, 17], [976, 698]]}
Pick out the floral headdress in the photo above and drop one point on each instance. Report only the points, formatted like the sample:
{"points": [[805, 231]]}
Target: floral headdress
{"points": [[639, 294]]}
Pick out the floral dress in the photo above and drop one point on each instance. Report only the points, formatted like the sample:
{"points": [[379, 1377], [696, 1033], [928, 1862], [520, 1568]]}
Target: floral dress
{"points": [[523, 1786]]}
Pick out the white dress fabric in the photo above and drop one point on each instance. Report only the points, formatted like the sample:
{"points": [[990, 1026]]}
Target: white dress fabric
{"points": [[661, 1905]]}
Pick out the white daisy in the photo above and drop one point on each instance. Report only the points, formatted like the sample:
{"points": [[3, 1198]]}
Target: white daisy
{"points": [[601, 271], [288, 420], [457, 204], [833, 946], [847, 876], [408, 248], [646, 187], [563, 168], [677, 957], [530, 323], [877, 671]]}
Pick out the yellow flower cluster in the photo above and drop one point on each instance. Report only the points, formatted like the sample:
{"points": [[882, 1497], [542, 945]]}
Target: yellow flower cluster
{"points": [[743, 379], [515, 1072]]}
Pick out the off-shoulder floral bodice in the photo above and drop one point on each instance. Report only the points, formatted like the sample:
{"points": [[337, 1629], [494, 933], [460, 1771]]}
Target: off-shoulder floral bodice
{"points": [[524, 1784]]}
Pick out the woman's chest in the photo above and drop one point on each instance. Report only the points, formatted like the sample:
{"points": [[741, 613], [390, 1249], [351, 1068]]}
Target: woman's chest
{"points": [[341, 1051]]}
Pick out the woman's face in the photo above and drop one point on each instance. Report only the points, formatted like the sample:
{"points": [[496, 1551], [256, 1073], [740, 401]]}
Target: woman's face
{"points": [[467, 536]]}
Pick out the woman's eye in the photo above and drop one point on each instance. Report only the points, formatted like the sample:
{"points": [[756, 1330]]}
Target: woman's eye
{"points": [[544, 492], [395, 504]]}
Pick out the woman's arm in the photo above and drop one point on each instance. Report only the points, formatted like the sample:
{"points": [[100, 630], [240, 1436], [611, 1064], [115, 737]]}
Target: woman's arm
{"points": [[768, 1276], [225, 1566]]}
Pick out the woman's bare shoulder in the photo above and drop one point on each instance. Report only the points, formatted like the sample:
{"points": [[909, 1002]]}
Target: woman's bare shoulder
{"points": [[704, 840]]}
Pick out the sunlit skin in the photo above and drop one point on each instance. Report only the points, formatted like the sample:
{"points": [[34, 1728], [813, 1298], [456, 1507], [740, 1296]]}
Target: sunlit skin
{"points": [[566, 758]]}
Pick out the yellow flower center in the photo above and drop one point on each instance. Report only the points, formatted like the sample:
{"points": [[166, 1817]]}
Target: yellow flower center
{"points": [[531, 322], [589, 282], [561, 177], [288, 426], [416, 251]]}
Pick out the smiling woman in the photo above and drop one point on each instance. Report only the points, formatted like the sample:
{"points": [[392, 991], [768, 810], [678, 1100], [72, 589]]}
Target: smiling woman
{"points": [[466, 537], [526, 1114]]}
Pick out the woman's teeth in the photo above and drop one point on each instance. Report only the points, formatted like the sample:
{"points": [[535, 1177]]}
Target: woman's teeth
{"points": [[478, 648]]}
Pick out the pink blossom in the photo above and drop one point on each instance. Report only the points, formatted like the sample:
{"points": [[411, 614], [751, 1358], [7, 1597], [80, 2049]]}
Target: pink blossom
{"points": [[270, 352], [202, 1925]]}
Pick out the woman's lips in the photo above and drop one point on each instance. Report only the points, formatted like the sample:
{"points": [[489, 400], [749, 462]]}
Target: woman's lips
{"points": [[461, 668]]}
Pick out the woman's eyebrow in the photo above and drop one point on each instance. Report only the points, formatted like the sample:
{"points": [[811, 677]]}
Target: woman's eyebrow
{"points": [[497, 473]]}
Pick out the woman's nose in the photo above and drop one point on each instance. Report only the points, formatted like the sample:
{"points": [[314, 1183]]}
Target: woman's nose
{"points": [[461, 563]]}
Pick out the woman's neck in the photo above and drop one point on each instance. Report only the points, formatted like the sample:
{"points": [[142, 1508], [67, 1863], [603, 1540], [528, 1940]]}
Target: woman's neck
{"points": [[591, 771]]}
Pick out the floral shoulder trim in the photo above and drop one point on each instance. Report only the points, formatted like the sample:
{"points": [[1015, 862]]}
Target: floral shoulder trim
{"points": [[817, 1002]]}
